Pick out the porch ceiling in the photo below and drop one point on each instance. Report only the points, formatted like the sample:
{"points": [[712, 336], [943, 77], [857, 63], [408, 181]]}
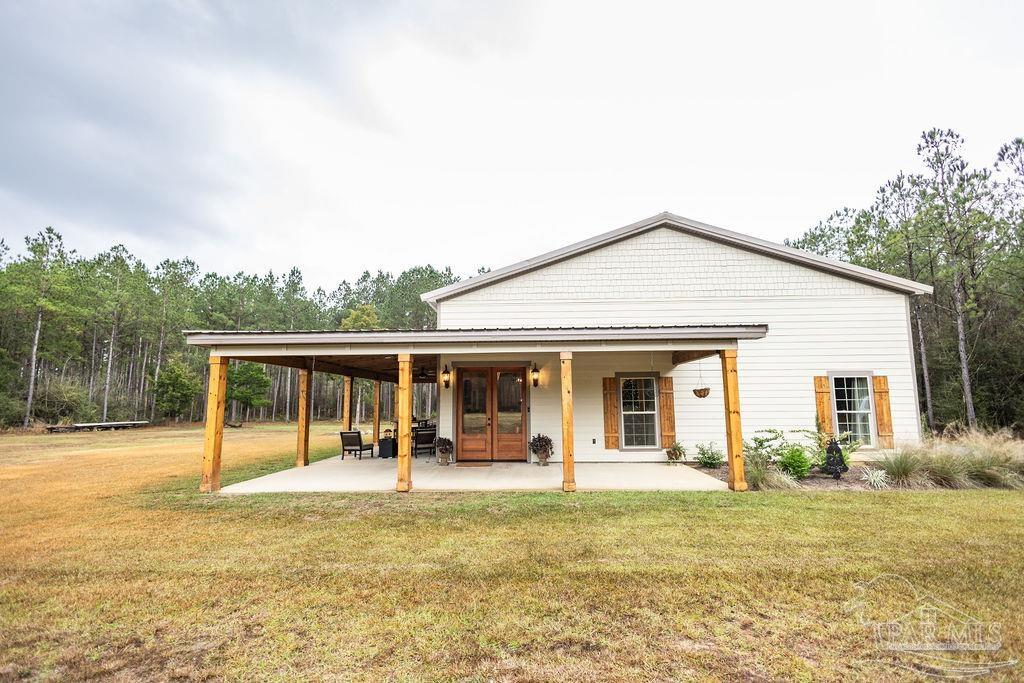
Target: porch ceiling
{"points": [[376, 367]]}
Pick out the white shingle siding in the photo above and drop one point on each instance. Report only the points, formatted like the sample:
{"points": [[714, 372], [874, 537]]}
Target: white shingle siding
{"points": [[818, 322]]}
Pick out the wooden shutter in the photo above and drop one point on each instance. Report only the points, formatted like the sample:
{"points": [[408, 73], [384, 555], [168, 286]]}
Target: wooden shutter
{"points": [[883, 415], [667, 408], [611, 412], [823, 401]]}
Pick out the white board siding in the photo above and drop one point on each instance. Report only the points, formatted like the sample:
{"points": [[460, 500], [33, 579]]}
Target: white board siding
{"points": [[818, 322]]}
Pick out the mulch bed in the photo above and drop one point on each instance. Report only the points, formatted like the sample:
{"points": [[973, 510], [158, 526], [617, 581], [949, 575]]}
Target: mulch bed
{"points": [[819, 482]]}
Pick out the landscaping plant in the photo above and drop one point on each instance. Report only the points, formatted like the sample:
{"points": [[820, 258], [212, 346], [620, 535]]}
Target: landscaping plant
{"points": [[874, 478], [708, 456], [444, 450], [675, 452], [793, 460], [541, 446]]}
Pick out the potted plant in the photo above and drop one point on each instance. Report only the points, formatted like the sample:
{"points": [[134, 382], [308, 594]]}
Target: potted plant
{"points": [[541, 446], [675, 453], [444, 450]]}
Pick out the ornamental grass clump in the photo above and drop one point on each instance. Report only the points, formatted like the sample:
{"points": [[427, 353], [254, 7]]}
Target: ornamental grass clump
{"points": [[905, 468], [960, 460], [760, 454]]}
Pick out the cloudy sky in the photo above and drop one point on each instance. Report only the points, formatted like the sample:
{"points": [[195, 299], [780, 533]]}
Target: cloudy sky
{"points": [[339, 136]]}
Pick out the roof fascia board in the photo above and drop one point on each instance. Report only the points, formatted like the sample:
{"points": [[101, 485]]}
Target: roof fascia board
{"points": [[266, 351], [429, 337]]}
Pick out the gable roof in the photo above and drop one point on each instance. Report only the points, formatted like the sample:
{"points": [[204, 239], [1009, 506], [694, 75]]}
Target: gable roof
{"points": [[692, 227]]}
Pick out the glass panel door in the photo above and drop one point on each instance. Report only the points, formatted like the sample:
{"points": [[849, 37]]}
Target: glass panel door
{"points": [[509, 421], [473, 414]]}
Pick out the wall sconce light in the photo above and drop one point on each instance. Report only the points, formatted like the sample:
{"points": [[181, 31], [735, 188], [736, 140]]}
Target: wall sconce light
{"points": [[535, 375], [446, 376]]}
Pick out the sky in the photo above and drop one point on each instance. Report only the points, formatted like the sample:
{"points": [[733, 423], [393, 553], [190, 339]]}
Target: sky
{"points": [[346, 136]]}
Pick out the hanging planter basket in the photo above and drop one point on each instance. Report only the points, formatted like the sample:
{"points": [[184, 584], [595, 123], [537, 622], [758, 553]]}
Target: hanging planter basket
{"points": [[701, 391]]}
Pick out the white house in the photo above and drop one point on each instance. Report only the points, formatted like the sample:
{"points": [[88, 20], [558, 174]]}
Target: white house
{"points": [[601, 344]]}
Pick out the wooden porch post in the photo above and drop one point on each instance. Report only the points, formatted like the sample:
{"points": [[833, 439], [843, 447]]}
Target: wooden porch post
{"points": [[733, 432], [568, 462], [346, 405], [214, 424], [305, 403], [404, 405], [376, 411]]}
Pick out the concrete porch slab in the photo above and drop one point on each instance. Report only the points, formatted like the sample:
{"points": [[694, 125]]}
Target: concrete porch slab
{"points": [[376, 474]]}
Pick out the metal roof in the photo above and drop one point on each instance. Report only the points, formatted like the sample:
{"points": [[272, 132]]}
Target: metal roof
{"points": [[686, 225], [503, 334]]}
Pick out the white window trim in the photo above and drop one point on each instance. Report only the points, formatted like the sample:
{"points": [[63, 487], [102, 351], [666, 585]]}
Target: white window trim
{"points": [[619, 377], [871, 401]]}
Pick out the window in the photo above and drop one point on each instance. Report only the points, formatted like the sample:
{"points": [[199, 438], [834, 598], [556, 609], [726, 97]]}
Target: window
{"points": [[639, 400], [852, 397]]}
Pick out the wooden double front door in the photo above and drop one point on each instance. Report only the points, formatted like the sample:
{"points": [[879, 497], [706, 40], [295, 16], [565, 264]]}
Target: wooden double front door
{"points": [[490, 413]]}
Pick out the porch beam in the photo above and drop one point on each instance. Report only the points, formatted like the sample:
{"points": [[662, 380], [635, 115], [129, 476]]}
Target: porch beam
{"points": [[733, 431], [568, 461], [404, 401], [346, 404], [376, 412], [680, 357], [214, 438], [322, 365], [305, 404]]}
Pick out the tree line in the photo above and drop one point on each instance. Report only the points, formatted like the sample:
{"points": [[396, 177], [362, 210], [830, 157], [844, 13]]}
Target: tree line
{"points": [[960, 229], [100, 338]]}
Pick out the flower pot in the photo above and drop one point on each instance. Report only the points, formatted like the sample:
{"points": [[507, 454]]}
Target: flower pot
{"points": [[702, 392]]}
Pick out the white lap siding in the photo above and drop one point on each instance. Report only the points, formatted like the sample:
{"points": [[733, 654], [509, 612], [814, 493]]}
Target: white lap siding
{"points": [[818, 323]]}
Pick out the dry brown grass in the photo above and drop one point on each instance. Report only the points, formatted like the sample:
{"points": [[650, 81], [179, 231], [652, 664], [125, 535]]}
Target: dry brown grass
{"points": [[112, 566]]}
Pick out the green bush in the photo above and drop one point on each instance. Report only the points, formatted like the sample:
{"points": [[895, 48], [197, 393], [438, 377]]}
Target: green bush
{"points": [[709, 456], [59, 401], [12, 411], [794, 461]]}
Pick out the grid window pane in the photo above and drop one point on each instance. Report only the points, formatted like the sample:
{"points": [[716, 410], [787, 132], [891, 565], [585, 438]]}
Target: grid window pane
{"points": [[853, 408], [639, 401]]}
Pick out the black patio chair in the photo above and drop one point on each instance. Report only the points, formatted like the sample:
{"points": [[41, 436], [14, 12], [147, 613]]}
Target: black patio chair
{"points": [[352, 442], [423, 442]]}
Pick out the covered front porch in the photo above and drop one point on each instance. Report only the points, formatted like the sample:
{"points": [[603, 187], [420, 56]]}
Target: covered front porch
{"points": [[378, 475], [496, 387]]}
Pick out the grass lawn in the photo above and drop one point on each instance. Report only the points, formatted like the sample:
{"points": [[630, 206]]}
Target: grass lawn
{"points": [[112, 565]]}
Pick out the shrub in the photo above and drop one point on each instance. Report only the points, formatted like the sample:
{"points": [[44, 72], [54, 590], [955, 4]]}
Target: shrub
{"points": [[63, 401], [875, 478], [818, 440], [709, 456], [793, 460], [12, 411]]}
